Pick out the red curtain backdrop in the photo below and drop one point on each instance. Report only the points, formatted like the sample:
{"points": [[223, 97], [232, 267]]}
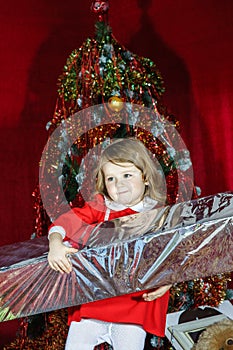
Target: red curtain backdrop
{"points": [[191, 42]]}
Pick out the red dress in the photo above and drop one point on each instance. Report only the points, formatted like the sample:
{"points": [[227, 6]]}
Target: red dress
{"points": [[129, 308]]}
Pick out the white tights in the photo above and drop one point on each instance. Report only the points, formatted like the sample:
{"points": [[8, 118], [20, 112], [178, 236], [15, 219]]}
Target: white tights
{"points": [[88, 333]]}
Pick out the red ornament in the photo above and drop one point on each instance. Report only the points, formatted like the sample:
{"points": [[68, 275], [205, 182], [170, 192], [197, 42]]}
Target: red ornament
{"points": [[100, 7]]}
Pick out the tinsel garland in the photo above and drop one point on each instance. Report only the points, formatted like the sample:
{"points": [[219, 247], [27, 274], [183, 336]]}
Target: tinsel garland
{"points": [[101, 69], [210, 291], [53, 337]]}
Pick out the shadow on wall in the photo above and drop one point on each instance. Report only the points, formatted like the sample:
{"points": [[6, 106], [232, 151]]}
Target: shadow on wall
{"points": [[69, 26], [72, 26], [178, 97]]}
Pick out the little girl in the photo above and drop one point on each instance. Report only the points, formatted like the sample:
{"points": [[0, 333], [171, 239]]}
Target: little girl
{"points": [[127, 183]]}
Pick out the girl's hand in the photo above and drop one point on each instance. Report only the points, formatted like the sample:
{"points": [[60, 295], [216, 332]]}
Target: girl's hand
{"points": [[156, 293], [58, 256]]}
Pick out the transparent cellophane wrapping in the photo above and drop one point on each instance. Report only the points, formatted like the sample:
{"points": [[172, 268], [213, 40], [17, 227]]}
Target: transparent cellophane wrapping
{"points": [[146, 250]]}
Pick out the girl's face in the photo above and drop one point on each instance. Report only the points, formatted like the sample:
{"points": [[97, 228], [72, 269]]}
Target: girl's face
{"points": [[124, 183]]}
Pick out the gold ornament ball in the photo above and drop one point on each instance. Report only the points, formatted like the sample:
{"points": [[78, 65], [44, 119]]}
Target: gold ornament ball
{"points": [[115, 103]]}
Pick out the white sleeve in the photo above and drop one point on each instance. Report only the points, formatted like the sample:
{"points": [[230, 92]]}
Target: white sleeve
{"points": [[58, 229]]}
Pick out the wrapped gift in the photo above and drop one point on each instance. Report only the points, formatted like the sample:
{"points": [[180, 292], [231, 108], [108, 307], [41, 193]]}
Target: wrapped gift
{"points": [[146, 250]]}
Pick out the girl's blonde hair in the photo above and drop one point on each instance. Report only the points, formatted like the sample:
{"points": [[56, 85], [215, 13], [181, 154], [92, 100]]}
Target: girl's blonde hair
{"points": [[133, 151]]}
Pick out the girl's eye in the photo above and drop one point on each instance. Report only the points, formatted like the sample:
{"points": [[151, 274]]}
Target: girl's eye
{"points": [[110, 179], [127, 175]]}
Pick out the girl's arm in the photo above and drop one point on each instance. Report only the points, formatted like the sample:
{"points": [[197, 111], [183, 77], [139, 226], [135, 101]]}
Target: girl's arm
{"points": [[69, 226], [73, 220], [58, 256]]}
